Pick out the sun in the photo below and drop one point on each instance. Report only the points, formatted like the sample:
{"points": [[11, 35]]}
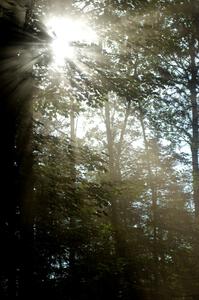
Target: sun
{"points": [[64, 33]]}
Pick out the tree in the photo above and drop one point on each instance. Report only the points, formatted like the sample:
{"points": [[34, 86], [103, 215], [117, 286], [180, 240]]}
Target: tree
{"points": [[177, 80], [13, 96], [106, 214]]}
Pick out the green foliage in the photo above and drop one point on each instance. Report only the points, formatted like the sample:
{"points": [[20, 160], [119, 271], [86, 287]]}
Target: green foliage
{"points": [[116, 216], [113, 210]]}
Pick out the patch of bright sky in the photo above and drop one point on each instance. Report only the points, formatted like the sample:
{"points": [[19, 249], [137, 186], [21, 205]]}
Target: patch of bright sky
{"points": [[87, 122], [64, 32]]}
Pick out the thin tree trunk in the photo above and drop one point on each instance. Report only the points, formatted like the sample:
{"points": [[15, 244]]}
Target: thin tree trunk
{"points": [[25, 161], [109, 136], [115, 178], [195, 135], [153, 200], [72, 245], [121, 140]]}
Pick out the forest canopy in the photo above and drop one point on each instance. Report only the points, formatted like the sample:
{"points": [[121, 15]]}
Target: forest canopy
{"points": [[99, 106]]}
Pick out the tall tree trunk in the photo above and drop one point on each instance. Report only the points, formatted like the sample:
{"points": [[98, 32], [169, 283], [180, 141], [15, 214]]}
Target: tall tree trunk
{"points": [[121, 140], [12, 93], [72, 245], [195, 135], [25, 186], [119, 246], [153, 189], [109, 137], [114, 178], [9, 201]]}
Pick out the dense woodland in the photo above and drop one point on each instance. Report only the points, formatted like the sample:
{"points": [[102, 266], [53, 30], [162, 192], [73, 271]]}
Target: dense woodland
{"points": [[99, 157]]}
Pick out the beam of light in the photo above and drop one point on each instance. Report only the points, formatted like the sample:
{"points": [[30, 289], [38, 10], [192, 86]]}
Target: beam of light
{"points": [[65, 32]]}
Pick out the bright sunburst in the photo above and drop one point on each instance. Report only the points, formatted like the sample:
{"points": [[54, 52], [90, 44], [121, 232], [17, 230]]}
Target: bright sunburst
{"points": [[65, 32]]}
